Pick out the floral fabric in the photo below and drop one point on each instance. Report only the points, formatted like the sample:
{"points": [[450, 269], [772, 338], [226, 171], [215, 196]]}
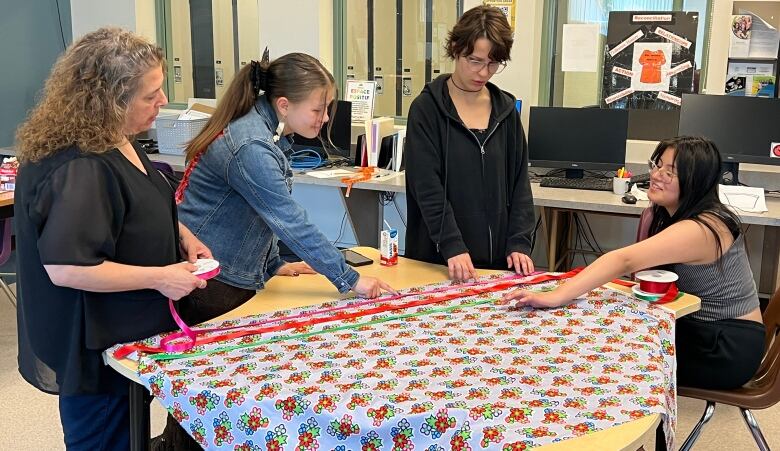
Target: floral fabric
{"points": [[467, 373]]}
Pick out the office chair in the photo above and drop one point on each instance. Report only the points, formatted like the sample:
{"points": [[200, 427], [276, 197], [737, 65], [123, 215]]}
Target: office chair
{"points": [[643, 231], [5, 255], [760, 392]]}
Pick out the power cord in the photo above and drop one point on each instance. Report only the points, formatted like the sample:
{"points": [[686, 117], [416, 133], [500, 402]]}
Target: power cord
{"points": [[341, 229], [305, 159]]}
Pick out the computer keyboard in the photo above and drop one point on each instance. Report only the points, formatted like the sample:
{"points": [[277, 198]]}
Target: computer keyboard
{"points": [[641, 178], [583, 183]]}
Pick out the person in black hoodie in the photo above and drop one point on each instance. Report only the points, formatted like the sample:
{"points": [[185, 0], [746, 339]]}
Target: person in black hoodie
{"points": [[469, 200]]}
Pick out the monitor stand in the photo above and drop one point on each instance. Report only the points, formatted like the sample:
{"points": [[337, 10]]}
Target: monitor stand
{"points": [[732, 168], [575, 173]]}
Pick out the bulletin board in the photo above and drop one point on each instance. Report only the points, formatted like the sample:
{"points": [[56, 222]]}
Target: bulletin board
{"points": [[508, 7], [649, 60]]}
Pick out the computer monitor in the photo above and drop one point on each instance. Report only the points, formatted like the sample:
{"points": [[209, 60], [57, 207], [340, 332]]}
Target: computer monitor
{"points": [[745, 129], [340, 134], [577, 138]]}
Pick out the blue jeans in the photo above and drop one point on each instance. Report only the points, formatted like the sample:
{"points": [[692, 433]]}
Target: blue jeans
{"points": [[96, 422]]}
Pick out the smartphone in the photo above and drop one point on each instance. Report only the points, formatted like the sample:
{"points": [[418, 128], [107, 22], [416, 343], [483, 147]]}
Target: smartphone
{"points": [[355, 259]]}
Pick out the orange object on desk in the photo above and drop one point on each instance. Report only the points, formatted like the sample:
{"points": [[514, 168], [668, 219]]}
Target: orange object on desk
{"points": [[365, 174]]}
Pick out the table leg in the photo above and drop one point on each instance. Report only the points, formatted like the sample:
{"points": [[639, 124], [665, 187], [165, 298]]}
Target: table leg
{"points": [[140, 423], [552, 248], [366, 215], [769, 279]]}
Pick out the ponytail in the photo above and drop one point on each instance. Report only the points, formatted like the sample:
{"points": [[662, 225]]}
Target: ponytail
{"points": [[293, 76]]}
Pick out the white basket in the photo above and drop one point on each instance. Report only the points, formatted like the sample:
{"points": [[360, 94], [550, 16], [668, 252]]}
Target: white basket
{"points": [[173, 135]]}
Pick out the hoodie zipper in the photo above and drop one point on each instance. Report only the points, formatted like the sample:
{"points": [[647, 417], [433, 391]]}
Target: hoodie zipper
{"points": [[482, 158]]}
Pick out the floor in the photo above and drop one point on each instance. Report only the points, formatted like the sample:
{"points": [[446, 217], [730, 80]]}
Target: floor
{"points": [[30, 421]]}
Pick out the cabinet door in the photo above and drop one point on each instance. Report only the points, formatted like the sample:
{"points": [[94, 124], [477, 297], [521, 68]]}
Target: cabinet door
{"points": [[181, 44], [413, 53], [384, 48], [357, 40]]}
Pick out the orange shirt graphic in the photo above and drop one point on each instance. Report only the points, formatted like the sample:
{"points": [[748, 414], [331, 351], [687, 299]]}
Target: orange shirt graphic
{"points": [[651, 66]]}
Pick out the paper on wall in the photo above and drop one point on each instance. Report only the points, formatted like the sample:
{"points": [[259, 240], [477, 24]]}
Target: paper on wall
{"points": [[580, 48], [764, 38], [361, 94]]}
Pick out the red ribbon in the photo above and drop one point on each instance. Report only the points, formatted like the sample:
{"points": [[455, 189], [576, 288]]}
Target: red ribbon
{"points": [[669, 296], [192, 338], [654, 287]]}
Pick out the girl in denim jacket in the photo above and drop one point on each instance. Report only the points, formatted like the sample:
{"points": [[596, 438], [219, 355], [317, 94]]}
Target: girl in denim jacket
{"points": [[236, 192]]}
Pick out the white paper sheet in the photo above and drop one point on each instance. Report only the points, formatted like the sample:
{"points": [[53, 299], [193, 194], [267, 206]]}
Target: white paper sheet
{"points": [[331, 173], [580, 47], [743, 198]]}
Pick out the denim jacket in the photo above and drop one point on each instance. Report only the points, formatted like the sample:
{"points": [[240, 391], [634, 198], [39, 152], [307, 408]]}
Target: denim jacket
{"points": [[238, 202]]}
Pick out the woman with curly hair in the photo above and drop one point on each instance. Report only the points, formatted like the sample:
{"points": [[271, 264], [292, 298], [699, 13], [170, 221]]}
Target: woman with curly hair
{"points": [[98, 240]]}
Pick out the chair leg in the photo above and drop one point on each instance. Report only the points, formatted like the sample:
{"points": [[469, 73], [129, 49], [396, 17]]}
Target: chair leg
{"points": [[694, 435], [752, 424], [7, 290]]}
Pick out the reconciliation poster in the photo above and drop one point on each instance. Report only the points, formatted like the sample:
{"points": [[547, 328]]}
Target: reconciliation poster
{"points": [[649, 60]]}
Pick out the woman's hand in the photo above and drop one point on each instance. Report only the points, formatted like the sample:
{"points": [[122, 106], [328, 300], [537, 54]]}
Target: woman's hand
{"points": [[294, 269], [371, 287], [520, 262], [460, 267], [176, 281], [536, 299], [191, 247]]}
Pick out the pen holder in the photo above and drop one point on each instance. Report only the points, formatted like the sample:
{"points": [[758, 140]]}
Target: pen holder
{"points": [[620, 185]]}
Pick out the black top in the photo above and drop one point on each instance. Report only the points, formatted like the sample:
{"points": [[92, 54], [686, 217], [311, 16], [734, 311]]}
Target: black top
{"points": [[480, 134], [466, 193], [83, 209]]}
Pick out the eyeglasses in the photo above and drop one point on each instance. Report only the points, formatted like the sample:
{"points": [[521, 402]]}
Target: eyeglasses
{"points": [[666, 175], [476, 65]]}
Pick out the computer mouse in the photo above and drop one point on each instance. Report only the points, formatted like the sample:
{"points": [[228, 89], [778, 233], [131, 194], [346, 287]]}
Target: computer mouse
{"points": [[629, 198]]}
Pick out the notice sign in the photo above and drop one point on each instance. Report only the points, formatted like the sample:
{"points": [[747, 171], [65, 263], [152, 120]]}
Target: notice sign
{"points": [[361, 94]]}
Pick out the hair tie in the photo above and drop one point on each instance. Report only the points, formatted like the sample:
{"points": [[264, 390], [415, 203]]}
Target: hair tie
{"points": [[257, 77]]}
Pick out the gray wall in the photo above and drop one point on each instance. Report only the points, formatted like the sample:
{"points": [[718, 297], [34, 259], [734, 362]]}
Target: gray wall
{"points": [[30, 42], [89, 15]]}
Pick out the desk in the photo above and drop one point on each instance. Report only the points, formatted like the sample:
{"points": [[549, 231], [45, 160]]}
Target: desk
{"points": [[366, 213], [287, 292], [554, 202], [6, 205]]}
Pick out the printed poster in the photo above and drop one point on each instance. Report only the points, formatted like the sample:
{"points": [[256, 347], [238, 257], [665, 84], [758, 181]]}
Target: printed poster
{"points": [[361, 93], [651, 64], [739, 38], [649, 59]]}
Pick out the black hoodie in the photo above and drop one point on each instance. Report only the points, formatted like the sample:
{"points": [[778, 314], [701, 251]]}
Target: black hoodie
{"points": [[488, 209]]}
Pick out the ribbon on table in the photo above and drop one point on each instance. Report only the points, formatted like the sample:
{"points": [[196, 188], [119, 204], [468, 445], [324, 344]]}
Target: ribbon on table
{"points": [[671, 293], [668, 296], [192, 338]]}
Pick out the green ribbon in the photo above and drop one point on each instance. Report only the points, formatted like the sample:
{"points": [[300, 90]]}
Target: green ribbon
{"points": [[179, 355]]}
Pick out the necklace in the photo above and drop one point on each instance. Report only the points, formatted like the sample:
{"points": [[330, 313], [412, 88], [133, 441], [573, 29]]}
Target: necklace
{"points": [[464, 90]]}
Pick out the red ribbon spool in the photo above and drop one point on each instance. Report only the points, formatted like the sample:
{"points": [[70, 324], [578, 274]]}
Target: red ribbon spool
{"points": [[658, 282], [654, 287]]}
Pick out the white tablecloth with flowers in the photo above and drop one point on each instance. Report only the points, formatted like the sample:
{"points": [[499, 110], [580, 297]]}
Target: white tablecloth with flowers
{"points": [[465, 373]]}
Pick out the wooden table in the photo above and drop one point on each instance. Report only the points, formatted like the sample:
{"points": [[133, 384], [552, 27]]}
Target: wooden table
{"points": [[6, 204], [304, 290]]}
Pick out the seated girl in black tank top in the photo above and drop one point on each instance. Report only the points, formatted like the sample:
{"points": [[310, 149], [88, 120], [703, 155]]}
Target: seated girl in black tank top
{"points": [[721, 346]]}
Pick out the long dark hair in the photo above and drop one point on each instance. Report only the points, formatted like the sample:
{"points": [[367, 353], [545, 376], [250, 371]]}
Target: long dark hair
{"points": [[293, 76], [698, 165]]}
